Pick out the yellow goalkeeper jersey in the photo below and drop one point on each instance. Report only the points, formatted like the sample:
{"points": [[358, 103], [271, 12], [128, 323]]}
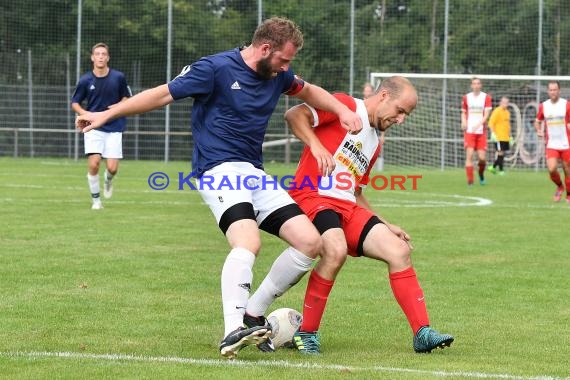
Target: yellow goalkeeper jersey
{"points": [[500, 123]]}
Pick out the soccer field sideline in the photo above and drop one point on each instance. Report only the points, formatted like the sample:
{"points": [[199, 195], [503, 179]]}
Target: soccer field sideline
{"points": [[270, 364], [457, 200], [119, 301]]}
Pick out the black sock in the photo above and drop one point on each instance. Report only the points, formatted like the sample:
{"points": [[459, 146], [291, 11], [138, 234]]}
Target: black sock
{"points": [[500, 160], [481, 165]]}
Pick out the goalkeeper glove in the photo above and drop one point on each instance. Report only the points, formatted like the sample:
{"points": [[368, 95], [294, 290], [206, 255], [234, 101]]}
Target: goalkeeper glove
{"points": [[511, 140], [493, 137]]}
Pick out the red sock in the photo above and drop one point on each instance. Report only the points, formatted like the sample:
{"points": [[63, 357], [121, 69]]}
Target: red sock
{"points": [[482, 165], [469, 171], [555, 177], [318, 290], [410, 296], [567, 181]]}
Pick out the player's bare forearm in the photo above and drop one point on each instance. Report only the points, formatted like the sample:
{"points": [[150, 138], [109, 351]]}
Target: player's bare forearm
{"points": [[362, 201], [486, 113], [77, 108], [317, 97], [463, 119], [145, 101], [538, 127], [300, 119], [120, 101], [397, 230]]}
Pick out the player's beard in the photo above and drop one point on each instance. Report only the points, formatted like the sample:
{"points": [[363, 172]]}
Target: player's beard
{"points": [[264, 68], [383, 125]]}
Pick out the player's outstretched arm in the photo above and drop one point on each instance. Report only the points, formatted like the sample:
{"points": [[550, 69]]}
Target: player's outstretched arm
{"points": [[538, 127], [124, 99], [463, 120], [396, 230], [317, 97], [486, 114], [145, 101], [491, 124], [300, 120]]}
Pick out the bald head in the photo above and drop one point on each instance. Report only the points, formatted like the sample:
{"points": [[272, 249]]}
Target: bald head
{"points": [[396, 86], [393, 102]]}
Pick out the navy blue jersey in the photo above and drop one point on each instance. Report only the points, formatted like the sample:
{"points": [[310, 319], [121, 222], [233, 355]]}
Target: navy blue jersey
{"points": [[232, 108], [101, 92]]}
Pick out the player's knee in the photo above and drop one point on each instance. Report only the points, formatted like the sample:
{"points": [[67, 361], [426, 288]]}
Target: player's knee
{"points": [[94, 163], [311, 244], [405, 253], [400, 255], [246, 239], [335, 255], [252, 245]]}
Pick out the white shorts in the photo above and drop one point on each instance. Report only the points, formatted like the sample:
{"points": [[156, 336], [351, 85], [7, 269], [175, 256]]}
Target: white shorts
{"points": [[226, 185], [107, 144]]}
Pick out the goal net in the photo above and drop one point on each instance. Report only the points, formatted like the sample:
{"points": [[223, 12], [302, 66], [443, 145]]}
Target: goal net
{"points": [[432, 135]]}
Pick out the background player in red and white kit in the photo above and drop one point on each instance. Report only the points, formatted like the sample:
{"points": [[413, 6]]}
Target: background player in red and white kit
{"points": [[475, 110], [554, 113], [343, 216]]}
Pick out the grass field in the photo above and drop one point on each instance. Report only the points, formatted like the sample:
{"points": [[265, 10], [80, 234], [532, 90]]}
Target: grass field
{"points": [[132, 291]]}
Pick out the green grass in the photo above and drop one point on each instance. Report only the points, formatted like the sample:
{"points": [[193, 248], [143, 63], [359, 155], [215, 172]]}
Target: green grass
{"points": [[141, 279]]}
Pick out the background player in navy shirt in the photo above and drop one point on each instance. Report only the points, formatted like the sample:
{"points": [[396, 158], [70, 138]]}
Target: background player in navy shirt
{"points": [[235, 92], [102, 87]]}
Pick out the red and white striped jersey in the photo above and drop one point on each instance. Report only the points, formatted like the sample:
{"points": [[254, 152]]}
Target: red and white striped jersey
{"points": [[556, 117], [474, 106], [354, 155]]}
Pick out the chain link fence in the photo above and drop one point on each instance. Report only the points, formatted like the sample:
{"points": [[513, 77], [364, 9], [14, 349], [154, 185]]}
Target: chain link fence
{"points": [[45, 47]]}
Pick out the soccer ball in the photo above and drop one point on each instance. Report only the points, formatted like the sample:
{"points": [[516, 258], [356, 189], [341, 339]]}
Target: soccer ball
{"points": [[284, 322]]}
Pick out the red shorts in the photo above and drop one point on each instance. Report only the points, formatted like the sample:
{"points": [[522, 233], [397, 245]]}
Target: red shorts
{"points": [[475, 140], [353, 216], [563, 154]]}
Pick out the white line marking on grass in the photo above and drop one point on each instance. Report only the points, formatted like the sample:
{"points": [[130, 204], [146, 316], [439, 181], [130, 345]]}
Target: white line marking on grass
{"points": [[33, 186], [429, 201], [265, 363], [83, 188], [432, 201], [59, 163], [88, 202]]}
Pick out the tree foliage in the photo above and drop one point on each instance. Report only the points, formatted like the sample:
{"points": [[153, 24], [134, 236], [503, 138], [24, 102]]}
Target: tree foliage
{"points": [[485, 36]]}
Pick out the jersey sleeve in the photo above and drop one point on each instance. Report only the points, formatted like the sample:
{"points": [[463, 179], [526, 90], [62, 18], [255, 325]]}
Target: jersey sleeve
{"points": [[80, 92], [295, 86], [323, 117], [194, 80], [540, 114], [125, 89]]}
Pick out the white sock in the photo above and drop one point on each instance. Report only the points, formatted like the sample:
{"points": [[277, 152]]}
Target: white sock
{"points": [[93, 181], [285, 272], [236, 284], [108, 176]]}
